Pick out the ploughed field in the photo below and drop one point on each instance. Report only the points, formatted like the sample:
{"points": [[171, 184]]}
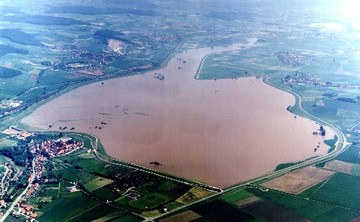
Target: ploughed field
{"points": [[220, 132]]}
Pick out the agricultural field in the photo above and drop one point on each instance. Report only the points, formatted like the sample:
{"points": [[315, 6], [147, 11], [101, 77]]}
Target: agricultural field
{"points": [[222, 211], [318, 203], [334, 191], [149, 201], [82, 208], [236, 196], [297, 181], [305, 207], [247, 201], [355, 169], [339, 166], [271, 212], [193, 194], [250, 62], [7, 142], [184, 216]]}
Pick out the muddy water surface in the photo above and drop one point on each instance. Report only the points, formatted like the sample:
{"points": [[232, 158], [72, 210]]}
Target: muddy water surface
{"points": [[218, 132]]}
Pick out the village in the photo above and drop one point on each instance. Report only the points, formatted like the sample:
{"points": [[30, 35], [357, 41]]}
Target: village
{"points": [[42, 151], [313, 79]]}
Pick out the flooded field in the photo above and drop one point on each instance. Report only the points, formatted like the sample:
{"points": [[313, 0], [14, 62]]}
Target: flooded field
{"points": [[219, 132]]}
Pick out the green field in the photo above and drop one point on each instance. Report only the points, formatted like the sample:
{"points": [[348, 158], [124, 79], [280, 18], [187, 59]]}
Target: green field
{"points": [[100, 212], [149, 201], [219, 210], [7, 142], [3, 159], [74, 175], [90, 163], [51, 191], [350, 155], [356, 170], [308, 208], [62, 209], [309, 192], [105, 193], [336, 191], [239, 64], [172, 205], [2, 169], [97, 183], [236, 196]]}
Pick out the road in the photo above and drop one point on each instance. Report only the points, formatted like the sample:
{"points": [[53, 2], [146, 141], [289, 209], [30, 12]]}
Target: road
{"points": [[18, 198], [7, 170], [340, 146]]}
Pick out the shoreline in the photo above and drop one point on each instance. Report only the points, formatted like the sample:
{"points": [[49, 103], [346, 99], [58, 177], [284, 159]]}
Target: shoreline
{"points": [[154, 94]]}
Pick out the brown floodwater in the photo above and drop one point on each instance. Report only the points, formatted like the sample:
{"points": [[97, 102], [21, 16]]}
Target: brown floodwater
{"points": [[219, 132]]}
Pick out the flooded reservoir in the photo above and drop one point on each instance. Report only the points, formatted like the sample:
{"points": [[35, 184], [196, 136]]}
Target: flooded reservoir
{"points": [[219, 132]]}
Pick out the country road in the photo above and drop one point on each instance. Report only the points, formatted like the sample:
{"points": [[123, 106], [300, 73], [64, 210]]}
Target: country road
{"points": [[18, 198]]}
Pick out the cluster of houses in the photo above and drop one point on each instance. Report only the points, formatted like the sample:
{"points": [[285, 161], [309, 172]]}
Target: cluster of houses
{"points": [[62, 146], [43, 150], [294, 59], [24, 209], [39, 167], [312, 79]]}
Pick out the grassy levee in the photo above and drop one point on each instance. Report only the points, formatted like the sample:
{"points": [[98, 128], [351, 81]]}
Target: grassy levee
{"points": [[295, 109], [286, 165]]}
